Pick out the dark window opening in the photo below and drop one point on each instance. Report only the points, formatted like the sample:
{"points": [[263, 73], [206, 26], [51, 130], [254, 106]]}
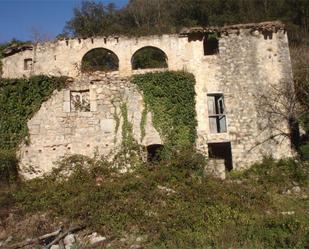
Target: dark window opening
{"points": [[195, 37], [294, 133], [216, 113], [149, 57], [211, 44], [221, 151], [267, 35], [100, 59], [155, 152], [80, 101], [28, 64]]}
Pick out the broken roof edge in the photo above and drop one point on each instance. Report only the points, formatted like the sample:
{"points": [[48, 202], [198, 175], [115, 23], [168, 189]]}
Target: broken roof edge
{"points": [[267, 26], [13, 49], [262, 26]]}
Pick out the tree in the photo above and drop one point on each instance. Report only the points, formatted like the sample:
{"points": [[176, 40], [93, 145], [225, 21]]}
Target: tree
{"points": [[93, 19], [300, 58], [144, 17]]}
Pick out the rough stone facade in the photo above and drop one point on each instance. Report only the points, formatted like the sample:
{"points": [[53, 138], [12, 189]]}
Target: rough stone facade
{"points": [[251, 60]]}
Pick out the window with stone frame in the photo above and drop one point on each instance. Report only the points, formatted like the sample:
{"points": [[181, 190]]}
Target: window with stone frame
{"points": [[216, 113], [28, 63], [80, 101]]}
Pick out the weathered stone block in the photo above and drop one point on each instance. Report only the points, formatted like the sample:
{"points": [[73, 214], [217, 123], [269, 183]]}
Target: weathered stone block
{"points": [[108, 125], [66, 106]]}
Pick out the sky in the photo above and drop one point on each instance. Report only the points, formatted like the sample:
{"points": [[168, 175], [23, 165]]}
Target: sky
{"points": [[21, 19]]}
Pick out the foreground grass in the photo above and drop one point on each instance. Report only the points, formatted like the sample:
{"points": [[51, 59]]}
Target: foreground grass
{"points": [[172, 205]]}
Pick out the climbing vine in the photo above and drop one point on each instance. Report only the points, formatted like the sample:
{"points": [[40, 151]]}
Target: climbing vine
{"points": [[170, 96], [127, 129], [19, 100], [129, 154], [143, 122]]}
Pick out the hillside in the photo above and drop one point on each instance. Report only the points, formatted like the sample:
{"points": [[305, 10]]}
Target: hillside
{"points": [[166, 205]]}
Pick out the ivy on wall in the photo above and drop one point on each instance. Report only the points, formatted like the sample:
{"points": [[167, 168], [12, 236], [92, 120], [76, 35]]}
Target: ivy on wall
{"points": [[19, 100], [170, 96]]}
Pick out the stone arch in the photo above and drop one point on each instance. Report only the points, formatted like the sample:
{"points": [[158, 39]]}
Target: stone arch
{"points": [[100, 59], [149, 57]]}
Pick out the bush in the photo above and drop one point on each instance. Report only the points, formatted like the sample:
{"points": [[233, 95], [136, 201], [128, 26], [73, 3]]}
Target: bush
{"points": [[8, 166], [276, 174], [171, 205], [304, 151]]}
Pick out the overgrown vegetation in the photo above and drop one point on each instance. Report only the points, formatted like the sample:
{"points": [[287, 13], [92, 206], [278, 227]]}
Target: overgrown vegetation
{"points": [[173, 206], [300, 57], [144, 17], [170, 96], [19, 100], [170, 204]]}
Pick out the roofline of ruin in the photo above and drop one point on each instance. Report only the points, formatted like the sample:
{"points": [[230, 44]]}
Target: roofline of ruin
{"points": [[269, 26], [272, 26]]}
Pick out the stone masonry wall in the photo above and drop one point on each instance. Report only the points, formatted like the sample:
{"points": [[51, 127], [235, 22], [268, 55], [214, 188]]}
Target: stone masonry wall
{"points": [[59, 129], [248, 65]]}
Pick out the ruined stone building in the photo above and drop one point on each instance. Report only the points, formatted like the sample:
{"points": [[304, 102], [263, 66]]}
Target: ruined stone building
{"points": [[231, 72]]}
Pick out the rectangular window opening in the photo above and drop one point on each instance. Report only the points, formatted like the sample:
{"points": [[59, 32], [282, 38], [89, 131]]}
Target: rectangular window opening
{"points": [[28, 64], [80, 101], [211, 44], [216, 113]]}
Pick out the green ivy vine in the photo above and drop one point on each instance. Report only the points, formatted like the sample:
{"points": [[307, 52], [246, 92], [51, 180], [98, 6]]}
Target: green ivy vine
{"points": [[127, 129], [170, 96], [19, 100]]}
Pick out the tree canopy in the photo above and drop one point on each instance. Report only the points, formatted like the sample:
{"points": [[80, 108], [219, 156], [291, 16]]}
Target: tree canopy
{"points": [[144, 17]]}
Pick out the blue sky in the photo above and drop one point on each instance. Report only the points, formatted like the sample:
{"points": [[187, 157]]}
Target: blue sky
{"points": [[20, 19]]}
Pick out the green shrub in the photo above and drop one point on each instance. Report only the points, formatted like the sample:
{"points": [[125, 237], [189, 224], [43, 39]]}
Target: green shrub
{"points": [[304, 151], [278, 174], [8, 166], [170, 204], [281, 232]]}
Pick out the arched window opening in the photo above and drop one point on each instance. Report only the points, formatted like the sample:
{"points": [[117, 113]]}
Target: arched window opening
{"points": [[155, 152], [149, 57], [100, 59]]}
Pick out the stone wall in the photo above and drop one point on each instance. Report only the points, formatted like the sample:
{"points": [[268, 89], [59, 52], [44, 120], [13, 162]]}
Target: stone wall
{"points": [[250, 63], [61, 128]]}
